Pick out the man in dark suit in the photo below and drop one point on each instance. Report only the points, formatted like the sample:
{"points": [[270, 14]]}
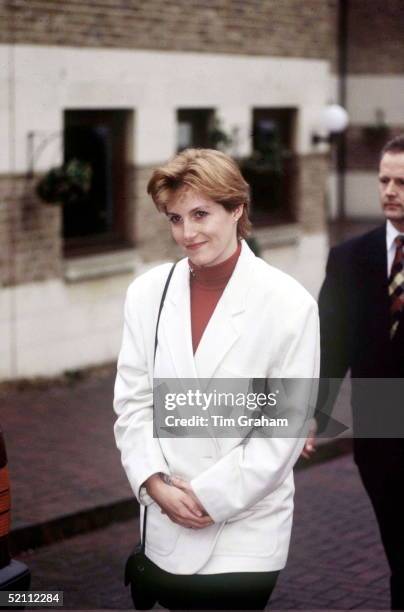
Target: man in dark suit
{"points": [[361, 307]]}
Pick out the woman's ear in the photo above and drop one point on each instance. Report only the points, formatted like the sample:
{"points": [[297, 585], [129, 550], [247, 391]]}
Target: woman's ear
{"points": [[237, 212]]}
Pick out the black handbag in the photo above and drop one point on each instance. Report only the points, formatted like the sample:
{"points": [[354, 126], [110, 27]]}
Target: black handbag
{"points": [[139, 569], [138, 573]]}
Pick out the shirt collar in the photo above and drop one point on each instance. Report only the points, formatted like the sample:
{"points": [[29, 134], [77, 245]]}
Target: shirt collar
{"points": [[391, 234], [215, 276]]}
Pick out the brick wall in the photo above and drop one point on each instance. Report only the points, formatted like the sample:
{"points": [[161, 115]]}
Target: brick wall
{"points": [[30, 232], [153, 236], [290, 28], [375, 37], [153, 232], [375, 49], [364, 146], [311, 192], [30, 235]]}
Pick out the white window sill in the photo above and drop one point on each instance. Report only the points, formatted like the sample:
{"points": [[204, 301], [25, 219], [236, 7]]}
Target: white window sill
{"points": [[128, 261], [96, 266], [278, 236]]}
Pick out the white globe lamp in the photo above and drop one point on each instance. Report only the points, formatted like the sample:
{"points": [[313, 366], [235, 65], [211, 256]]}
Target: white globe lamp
{"points": [[334, 119]]}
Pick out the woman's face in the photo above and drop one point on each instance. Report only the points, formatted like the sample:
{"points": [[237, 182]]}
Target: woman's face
{"points": [[205, 230]]}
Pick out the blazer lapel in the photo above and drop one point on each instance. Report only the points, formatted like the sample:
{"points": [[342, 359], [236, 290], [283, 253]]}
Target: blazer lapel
{"points": [[225, 323], [176, 323], [376, 257], [373, 267]]}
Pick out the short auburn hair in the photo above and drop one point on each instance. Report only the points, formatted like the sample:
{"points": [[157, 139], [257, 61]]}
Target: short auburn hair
{"points": [[208, 172]]}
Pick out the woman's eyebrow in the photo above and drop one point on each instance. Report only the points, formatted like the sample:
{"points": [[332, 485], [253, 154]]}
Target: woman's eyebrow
{"points": [[200, 207]]}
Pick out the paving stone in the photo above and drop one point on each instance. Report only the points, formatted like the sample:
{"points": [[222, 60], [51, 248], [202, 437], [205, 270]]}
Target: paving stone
{"points": [[61, 449], [89, 567], [63, 460]]}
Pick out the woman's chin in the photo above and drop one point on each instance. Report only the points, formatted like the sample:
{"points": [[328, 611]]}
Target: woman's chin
{"points": [[197, 261]]}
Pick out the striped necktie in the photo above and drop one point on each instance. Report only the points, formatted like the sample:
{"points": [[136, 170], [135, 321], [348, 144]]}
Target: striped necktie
{"points": [[396, 285]]}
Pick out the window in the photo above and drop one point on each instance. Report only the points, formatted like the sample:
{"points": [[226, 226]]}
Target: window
{"points": [[100, 140], [271, 169], [194, 127]]}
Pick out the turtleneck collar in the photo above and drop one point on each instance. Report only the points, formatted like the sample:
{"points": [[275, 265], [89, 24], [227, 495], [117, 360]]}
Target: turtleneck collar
{"points": [[217, 276]]}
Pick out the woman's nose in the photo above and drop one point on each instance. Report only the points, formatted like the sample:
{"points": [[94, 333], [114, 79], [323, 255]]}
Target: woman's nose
{"points": [[189, 230]]}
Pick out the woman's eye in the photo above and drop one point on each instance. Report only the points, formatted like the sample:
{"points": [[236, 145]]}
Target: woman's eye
{"points": [[199, 214], [174, 219]]}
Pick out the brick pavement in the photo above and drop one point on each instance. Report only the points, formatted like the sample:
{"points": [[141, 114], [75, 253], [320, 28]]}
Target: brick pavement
{"points": [[335, 562], [61, 450], [336, 558], [63, 463]]}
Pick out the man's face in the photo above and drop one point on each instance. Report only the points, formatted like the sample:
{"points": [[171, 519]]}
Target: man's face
{"points": [[391, 188]]}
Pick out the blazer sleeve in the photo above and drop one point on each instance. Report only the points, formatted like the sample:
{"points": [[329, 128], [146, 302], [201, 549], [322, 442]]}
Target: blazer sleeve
{"points": [[141, 453], [253, 470], [334, 308]]}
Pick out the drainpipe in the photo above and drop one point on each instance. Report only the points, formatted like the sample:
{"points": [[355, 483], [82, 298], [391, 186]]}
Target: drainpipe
{"points": [[13, 220], [342, 100]]}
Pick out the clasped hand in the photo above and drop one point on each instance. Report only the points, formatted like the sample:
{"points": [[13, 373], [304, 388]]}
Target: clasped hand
{"points": [[177, 499]]}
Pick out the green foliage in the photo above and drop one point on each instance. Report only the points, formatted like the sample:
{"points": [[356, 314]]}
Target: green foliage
{"points": [[267, 154], [66, 184], [218, 138]]}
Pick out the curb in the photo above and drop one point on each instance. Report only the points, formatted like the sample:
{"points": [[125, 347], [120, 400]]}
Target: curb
{"points": [[79, 523], [70, 525]]}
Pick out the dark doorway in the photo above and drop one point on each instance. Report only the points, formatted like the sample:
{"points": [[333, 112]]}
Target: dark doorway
{"points": [[271, 169], [97, 138], [193, 127]]}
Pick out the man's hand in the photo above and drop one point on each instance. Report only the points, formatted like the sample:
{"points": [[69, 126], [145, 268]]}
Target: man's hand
{"points": [[310, 445], [180, 506]]}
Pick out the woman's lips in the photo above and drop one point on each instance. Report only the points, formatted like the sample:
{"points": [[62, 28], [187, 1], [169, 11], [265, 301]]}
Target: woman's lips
{"points": [[193, 247]]}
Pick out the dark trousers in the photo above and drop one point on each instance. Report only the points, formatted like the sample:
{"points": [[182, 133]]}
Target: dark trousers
{"points": [[381, 466], [230, 591]]}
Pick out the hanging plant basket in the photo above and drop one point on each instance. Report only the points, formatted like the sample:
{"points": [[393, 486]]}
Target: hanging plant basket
{"points": [[67, 184]]}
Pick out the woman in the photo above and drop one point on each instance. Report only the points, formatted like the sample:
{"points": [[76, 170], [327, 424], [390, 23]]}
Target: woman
{"points": [[219, 509]]}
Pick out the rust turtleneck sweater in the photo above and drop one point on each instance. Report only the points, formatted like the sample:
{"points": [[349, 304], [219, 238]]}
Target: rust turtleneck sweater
{"points": [[207, 286]]}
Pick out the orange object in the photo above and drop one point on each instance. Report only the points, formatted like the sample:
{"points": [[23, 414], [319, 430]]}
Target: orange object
{"points": [[5, 504]]}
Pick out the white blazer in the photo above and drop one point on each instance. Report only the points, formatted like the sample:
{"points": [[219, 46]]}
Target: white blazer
{"points": [[264, 325]]}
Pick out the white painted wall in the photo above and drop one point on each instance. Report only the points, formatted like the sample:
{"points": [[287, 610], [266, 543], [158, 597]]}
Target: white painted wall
{"points": [[237, 118], [53, 326], [366, 93], [333, 89], [332, 195], [362, 195], [7, 331], [60, 326], [305, 261], [6, 119], [154, 84]]}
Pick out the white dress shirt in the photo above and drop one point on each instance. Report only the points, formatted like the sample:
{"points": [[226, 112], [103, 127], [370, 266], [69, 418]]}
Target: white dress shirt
{"points": [[391, 235]]}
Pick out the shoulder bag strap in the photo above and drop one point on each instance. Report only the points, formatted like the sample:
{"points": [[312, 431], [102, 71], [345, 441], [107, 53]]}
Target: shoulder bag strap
{"points": [[163, 297]]}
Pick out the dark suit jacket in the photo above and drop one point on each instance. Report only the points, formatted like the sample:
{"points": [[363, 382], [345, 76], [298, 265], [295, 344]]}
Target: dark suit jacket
{"points": [[355, 324]]}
